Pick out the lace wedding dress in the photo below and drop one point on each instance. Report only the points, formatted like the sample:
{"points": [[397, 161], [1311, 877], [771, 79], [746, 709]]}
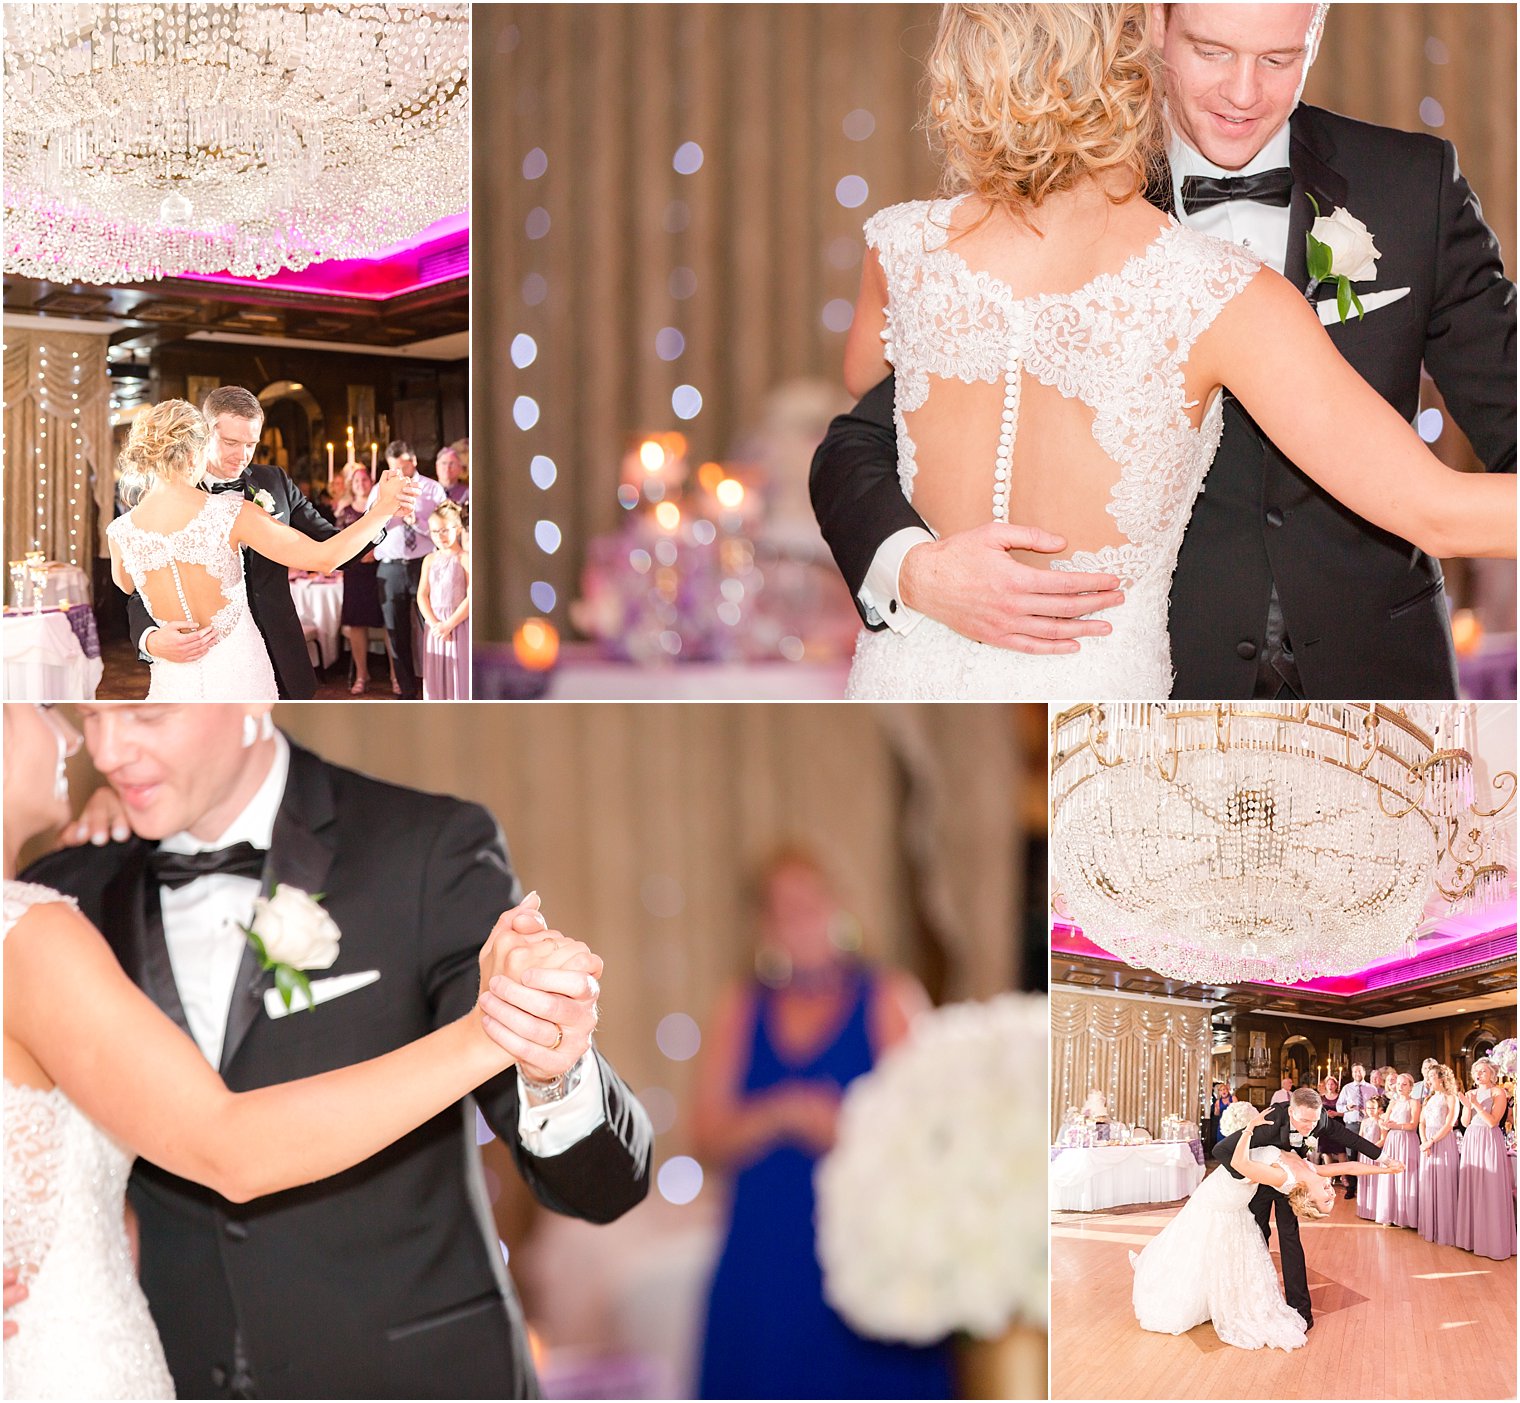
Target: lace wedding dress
{"points": [[1211, 1263], [199, 570], [1064, 410], [84, 1328]]}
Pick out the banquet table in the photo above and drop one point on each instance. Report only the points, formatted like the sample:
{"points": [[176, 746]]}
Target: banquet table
{"points": [[46, 659], [319, 605], [66, 584], [1106, 1176]]}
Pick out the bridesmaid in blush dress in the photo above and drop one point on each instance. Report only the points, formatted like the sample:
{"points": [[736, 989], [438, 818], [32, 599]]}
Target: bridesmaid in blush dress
{"points": [[1437, 1208], [443, 597], [1398, 1195], [1371, 1129], [1485, 1172]]}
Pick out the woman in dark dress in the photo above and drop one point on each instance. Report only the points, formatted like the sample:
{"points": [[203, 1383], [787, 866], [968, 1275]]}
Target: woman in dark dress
{"points": [[361, 590], [778, 1053]]}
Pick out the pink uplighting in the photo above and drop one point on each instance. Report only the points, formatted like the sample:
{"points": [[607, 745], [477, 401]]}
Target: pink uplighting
{"points": [[439, 254], [1456, 943]]}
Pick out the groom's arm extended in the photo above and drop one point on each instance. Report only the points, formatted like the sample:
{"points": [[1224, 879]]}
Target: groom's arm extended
{"points": [[1335, 1133], [593, 1158], [898, 572], [1470, 341]]}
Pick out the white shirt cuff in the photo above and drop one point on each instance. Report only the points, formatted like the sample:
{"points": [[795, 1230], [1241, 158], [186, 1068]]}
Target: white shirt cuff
{"points": [[879, 591], [142, 643], [553, 1128]]}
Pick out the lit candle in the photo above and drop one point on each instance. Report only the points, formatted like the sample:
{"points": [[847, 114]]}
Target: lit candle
{"points": [[329, 464], [374, 449]]}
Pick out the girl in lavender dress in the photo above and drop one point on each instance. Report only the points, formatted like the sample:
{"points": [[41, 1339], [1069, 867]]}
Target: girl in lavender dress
{"points": [[443, 596], [1485, 1173], [1437, 1209], [1371, 1129], [1398, 1196]]}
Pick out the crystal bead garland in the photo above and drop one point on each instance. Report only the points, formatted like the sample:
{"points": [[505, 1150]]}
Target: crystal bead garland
{"points": [[143, 141], [1257, 841]]}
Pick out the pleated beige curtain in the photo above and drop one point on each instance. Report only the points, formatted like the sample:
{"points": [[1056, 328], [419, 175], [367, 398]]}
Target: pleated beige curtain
{"points": [[589, 241], [642, 825], [59, 480], [1149, 1057]]}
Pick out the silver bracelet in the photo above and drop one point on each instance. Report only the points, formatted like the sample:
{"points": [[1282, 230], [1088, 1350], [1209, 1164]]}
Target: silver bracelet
{"points": [[556, 1088]]}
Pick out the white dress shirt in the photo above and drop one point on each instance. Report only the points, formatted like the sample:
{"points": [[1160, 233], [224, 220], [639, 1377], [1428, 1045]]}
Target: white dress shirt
{"points": [[203, 928], [1261, 228], [430, 496]]}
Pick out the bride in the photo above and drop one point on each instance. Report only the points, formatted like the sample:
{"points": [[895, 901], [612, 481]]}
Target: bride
{"points": [[1211, 1261], [95, 1075], [180, 548], [1061, 350]]}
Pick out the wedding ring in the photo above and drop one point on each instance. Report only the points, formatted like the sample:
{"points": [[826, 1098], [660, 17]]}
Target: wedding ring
{"points": [[559, 1038]]}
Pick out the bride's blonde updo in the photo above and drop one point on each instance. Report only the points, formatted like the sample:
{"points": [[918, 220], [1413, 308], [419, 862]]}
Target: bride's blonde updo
{"points": [[167, 441], [1026, 100], [1302, 1203]]}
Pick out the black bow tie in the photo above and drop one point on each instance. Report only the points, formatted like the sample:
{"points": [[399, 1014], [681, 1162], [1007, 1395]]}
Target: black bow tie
{"points": [[1273, 187], [178, 869], [238, 484]]}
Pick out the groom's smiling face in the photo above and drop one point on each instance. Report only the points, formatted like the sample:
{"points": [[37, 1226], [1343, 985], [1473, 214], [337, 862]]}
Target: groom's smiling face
{"points": [[1303, 1119], [1232, 74], [177, 768]]}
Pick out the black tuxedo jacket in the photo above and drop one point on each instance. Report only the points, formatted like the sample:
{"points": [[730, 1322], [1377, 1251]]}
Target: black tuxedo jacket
{"points": [[1364, 610], [269, 598], [1278, 1130], [385, 1281]]}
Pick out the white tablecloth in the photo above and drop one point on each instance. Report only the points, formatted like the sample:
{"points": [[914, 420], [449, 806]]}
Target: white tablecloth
{"points": [[1084, 1181], [577, 679], [319, 605], [44, 662]]}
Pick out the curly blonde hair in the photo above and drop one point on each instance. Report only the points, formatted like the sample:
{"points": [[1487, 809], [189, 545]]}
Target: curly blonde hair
{"points": [[167, 441], [1302, 1204], [1027, 100]]}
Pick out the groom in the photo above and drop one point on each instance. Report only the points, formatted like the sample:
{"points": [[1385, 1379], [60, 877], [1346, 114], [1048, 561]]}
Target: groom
{"points": [[1279, 591], [235, 417], [1301, 1125], [386, 1280]]}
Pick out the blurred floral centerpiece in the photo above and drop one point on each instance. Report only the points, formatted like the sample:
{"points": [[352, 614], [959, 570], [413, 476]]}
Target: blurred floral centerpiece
{"points": [[931, 1205]]}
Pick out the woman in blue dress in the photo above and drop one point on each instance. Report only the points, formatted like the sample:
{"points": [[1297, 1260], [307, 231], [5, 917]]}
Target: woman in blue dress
{"points": [[778, 1053]]}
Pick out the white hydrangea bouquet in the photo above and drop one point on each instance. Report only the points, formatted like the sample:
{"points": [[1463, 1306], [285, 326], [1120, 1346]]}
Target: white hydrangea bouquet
{"points": [[931, 1204]]}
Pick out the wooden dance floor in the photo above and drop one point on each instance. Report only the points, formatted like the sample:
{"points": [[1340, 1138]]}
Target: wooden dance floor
{"points": [[1394, 1317]]}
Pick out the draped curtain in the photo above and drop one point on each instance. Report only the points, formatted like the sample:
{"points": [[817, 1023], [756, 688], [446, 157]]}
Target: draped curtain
{"points": [[590, 241], [1149, 1057], [59, 483]]}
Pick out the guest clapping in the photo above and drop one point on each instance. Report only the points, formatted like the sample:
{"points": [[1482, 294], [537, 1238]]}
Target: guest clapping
{"points": [[1370, 1128], [1485, 1172], [443, 596], [779, 1052], [1437, 1208]]}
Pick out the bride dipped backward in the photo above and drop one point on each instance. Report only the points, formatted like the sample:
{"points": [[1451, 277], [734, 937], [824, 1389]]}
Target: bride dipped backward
{"points": [[73, 1020]]}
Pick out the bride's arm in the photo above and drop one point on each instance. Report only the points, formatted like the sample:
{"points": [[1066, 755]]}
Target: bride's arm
{"points": [[864, 362], [145, 1083], [274, 540], [1269, 348], [1248, 1168]]}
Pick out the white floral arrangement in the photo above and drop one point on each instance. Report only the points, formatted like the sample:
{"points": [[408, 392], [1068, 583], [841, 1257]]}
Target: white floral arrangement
{"points": [[931, 1204], [1236, 1114], [1503, 1057]]}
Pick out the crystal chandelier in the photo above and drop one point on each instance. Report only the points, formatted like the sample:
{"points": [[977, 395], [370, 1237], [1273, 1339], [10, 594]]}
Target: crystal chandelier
{"points": [[147, 140], [1270, 842]]}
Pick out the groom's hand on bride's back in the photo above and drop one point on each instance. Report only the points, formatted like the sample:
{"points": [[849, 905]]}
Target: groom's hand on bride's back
{"points": [[968, 581], [178, 642]]}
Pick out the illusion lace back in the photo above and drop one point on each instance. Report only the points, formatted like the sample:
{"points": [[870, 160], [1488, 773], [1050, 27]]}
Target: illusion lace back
{"points": [[1066, 410], [84, 1328], [195, 574], [1211, 1263]]}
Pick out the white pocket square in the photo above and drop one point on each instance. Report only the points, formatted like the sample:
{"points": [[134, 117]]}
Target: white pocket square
{"points": [[1371, 301], [322, 990]]}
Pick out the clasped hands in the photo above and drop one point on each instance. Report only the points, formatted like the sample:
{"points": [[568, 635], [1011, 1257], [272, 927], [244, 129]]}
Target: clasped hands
{"points": [[538, 992]]}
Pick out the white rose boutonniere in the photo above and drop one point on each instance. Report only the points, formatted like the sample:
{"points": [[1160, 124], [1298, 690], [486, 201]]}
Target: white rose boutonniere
{"points": [[290, 934], [262, 498], [1341, 250]]}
